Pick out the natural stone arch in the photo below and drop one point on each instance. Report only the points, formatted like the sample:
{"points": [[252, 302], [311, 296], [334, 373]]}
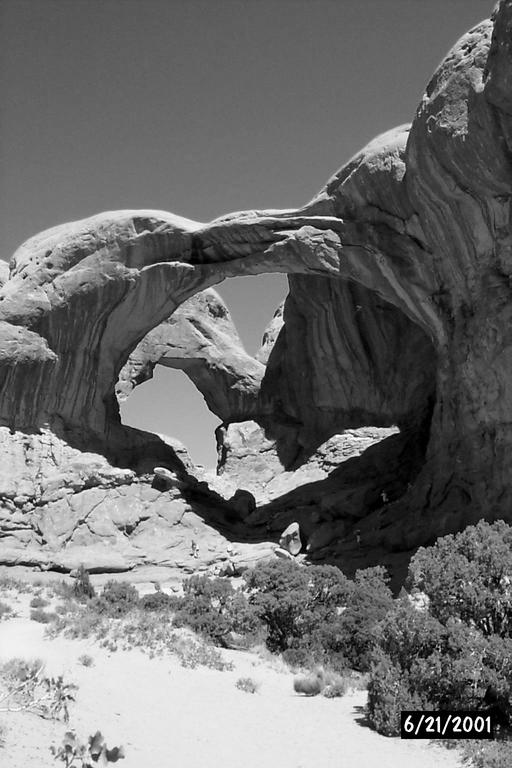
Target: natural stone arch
{"points": [[422, 219], [200, 338], [127, 271]]}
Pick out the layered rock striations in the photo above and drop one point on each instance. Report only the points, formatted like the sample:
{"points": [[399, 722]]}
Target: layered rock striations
{"points": [[200, 339], [344, 358], [398, 315]]}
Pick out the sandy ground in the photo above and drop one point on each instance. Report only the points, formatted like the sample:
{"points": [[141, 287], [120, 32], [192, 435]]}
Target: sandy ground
{"points": [[166, 715]]}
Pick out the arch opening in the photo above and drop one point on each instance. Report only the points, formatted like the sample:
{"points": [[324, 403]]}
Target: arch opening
{"points": [[281, 412], [173, 381], [170, 406]]}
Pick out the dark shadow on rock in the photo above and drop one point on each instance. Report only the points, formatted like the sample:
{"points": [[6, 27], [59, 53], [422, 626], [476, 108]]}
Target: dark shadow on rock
{"points": [[351, 491]]}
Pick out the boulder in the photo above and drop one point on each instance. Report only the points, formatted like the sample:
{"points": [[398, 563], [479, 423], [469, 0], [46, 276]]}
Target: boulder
{"points": [[290, 539]]}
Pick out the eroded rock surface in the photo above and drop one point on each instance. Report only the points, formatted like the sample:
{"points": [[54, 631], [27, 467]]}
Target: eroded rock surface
{"points": [[249, 459], [4, 272], [399, 313], [200, 339]]}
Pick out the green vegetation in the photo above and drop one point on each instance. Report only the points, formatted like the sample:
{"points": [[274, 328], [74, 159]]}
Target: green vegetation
{"points": [[119, 618], [469, 577], [86, 660], [117, 599], [27, 688], [38, 602], [459, 646], [247, 685], [43, 617], [445, 643], [214, 609], [487, 754], [82, 587], [77, 754], [5, 610], [317, 615]]}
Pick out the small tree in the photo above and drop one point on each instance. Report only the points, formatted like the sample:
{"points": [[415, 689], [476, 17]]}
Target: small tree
{"points": [[214, 608], [117, 599], [469, 576], [280, 594], [369, 601], [82, 587]]}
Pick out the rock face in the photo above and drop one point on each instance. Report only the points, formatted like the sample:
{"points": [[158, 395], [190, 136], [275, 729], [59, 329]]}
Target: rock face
{"points": [[343, 359], [200, 339], [4, 272], [250, 460], [398, 315]]}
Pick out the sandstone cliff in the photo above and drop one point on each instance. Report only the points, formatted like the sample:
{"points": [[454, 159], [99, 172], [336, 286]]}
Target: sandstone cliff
{"points": [[398, 315]]}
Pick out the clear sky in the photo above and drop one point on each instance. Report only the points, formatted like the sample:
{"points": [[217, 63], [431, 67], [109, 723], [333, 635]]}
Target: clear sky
{"points": [[201, 107]]}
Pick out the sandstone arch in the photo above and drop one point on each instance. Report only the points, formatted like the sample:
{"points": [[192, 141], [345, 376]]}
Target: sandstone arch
{"points": [[420, 218]]}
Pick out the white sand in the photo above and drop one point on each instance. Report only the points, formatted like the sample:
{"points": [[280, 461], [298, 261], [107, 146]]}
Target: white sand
{"points": [[170, 717]]}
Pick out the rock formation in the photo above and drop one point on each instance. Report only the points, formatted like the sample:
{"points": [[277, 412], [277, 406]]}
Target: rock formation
{"points": [[290, 539], [200, 339], [398, 314]]}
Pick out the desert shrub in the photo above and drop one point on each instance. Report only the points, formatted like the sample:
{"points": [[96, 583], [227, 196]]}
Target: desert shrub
{"points": [[311, 684], [247, 684], [279, 593], [85, 660], [63, 589], [148, 631], [214, 608], [138, 629], [297, 657], [29, 689], [406, 634], [197, 653], [5, 610], [82, 588], [388, 695], [110, 645], [421, 663], [202, 607], [369, 601], [316, 614], [469, 576], [14, 585], [79, 624], [117, 599], [17, 670], [335, 690], [158, 601], [43, 617], [294, 602], [38, 602], [447, 656], [242, 617], [486, 754], [77, 754]]}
